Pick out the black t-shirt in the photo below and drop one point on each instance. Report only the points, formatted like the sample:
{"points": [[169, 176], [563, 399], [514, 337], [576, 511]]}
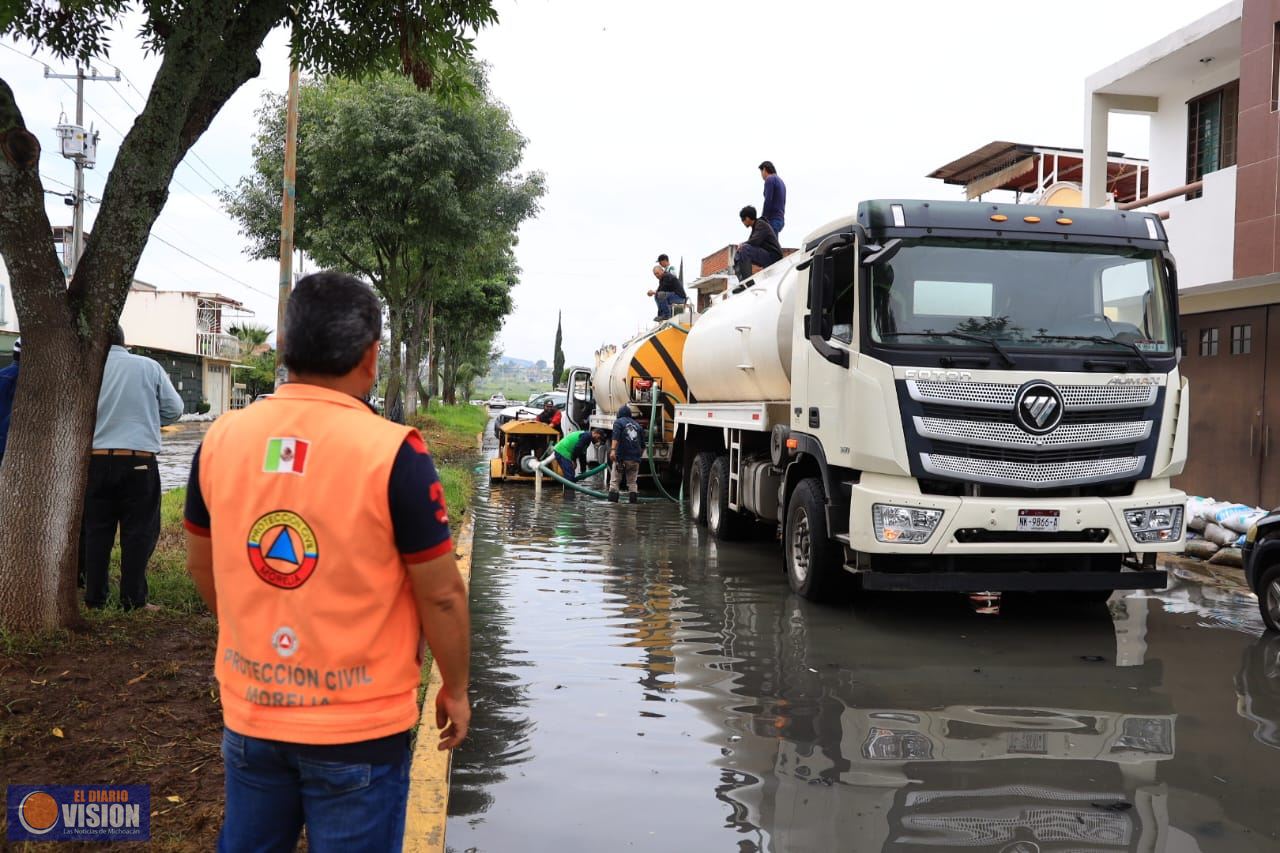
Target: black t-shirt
{"points": [[670, 284]]}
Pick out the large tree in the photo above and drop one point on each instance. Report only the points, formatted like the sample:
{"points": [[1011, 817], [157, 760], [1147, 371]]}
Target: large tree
{"points": [[207, 49], [402, 187]]}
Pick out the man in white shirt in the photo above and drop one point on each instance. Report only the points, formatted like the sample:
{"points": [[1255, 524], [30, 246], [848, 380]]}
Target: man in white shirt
{"points": [[136, 398]]}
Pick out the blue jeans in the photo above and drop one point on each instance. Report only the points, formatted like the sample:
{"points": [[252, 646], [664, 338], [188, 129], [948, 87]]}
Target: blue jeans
{"points": [[777, 225], [567, 468], [748, 255], [272, 791], [665, 300]]}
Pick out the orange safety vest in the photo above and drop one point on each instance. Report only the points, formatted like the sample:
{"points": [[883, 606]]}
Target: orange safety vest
{"points": [[319, 640]]}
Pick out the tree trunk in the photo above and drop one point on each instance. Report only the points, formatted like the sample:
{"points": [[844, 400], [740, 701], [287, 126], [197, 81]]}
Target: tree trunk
{"points": [[391, 403], [437, 355], [42, 481], [413, 359]]}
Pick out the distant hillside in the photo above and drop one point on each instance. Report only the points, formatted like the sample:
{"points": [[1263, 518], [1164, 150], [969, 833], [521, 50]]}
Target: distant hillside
{"points": [[508, 361]]}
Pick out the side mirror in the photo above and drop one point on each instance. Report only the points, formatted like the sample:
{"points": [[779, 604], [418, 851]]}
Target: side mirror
{"points": [[881, 254]]}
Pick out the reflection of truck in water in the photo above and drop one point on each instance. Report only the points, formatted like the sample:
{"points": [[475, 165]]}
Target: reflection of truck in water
{"points": [[915, 748], [947, 396]]}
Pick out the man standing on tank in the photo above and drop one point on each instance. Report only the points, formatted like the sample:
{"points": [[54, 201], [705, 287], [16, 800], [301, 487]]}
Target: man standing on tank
{"points": [[775, 197]]}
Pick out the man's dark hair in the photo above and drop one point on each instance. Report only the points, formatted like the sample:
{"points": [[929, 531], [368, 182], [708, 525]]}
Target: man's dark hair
{"points": [[767, 165], [117, 336], [664, 260], [331, 320], [748, 212]]}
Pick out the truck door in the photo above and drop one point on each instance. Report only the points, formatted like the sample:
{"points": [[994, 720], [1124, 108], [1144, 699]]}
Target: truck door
{"points": [[822, 390], [579, 401]]}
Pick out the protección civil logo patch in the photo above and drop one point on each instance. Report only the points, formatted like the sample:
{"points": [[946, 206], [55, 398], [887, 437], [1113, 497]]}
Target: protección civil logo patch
{"points": [[79, 812]]}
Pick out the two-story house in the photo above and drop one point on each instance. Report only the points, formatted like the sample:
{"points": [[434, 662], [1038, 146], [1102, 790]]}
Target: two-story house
{"points": [[187, 332], [1212, 92]]}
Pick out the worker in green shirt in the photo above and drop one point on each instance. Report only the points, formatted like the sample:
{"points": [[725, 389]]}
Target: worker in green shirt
{"points": [[573, 448]]}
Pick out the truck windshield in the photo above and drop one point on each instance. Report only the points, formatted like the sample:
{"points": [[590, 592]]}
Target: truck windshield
{"points": [[1021, 295]]}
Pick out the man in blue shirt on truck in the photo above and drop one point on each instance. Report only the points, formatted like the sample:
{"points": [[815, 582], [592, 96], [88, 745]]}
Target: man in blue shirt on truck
{"points": [[775, 197]]}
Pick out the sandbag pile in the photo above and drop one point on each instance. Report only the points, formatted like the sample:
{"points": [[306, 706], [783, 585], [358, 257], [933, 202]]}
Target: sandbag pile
{"points": [[1216, 529]]}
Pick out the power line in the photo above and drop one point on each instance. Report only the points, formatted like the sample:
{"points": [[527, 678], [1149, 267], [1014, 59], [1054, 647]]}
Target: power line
{"points": [[210, 266], [193, 169]]}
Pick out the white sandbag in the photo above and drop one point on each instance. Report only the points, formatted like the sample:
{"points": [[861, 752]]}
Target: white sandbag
{"points": [[1228, 557], [1203, 508], [1196, 523], [1239, 517], [1219, 535], [1201, 549]]}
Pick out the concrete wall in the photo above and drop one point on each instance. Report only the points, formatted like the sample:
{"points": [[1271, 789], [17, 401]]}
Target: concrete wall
{"points": [[1258, 193], [1202, 231], [160, 320]]}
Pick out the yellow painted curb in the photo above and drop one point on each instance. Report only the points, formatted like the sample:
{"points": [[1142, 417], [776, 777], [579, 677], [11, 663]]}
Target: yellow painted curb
{"points": [[428, 806]]}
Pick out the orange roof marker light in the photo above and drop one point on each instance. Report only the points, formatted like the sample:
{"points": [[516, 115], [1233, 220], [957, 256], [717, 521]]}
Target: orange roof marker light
{"points": [[1032, 219], [1064, 221], [998, 217]]}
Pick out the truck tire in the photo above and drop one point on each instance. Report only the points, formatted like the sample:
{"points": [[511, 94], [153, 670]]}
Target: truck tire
{"points": [[815, 561], [1269, 596], [724, 523], [699, 473]]}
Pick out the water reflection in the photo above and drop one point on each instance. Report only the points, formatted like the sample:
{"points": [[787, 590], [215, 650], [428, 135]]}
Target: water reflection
{"points": [[684, 700]]}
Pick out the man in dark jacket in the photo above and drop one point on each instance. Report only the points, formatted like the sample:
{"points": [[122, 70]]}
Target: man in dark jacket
{"points": [[762, 247], [625, 452], [775, 197], [670, 292], [8, 387]]}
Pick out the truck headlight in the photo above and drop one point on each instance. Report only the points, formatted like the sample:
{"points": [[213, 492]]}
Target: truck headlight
{"points": [[1155, 523], [907, 525]]}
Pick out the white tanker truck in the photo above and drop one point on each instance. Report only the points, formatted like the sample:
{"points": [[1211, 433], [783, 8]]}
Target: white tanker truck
{"points": [[947, 396]]}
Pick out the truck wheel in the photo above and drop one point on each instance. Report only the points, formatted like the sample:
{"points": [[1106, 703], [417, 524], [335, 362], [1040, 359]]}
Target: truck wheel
{"points": [[815, 562], [724, 523], [1269, 597], [699, 473]]}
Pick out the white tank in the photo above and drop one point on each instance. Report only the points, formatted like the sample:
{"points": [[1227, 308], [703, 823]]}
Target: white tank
{"points": [[740, 348]]}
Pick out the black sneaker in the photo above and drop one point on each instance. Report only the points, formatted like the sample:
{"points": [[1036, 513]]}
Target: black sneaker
{"points": [[633, 498], [613, 497]]}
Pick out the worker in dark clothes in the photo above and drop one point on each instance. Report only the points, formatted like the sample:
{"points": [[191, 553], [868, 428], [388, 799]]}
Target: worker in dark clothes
{"points": [[762, 247], [551, 416], [136, 398], [775, 197], [665, 262], [8, 387], [670, 292]]}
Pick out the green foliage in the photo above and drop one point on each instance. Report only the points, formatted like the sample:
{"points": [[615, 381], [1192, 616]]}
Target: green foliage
{"points": [[251, 333], [423, 39], [464, 419], [416, 193], [260, 378], [557, 370]]}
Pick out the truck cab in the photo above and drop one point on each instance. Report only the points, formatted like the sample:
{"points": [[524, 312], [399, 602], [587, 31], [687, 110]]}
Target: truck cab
{"points": [[981, 397]]}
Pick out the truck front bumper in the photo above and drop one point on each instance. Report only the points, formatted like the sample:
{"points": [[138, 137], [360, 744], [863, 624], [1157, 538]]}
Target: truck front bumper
{"points": [[976, 527]]}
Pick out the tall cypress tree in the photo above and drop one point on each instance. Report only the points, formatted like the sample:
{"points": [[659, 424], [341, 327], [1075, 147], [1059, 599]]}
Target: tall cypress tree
{"points": [[557, 369]]}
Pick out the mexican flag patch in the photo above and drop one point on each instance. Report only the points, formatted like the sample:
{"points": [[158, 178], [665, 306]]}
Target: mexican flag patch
{"points": [[286, 456]]}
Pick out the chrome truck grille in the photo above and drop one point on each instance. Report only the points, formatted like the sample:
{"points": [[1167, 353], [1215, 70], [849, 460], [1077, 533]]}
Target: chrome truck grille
{"points": [[1032, 436]]}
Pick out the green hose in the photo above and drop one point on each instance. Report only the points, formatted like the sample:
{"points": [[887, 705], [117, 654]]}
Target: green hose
{"points": [[653, 467], [595, 493]]}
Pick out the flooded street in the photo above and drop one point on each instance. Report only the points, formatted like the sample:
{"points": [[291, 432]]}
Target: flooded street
{"points": [[177, 446], [638, 686]]}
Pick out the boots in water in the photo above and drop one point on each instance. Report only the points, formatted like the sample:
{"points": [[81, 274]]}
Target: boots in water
{"points": [[613, 497], [633, 498]]}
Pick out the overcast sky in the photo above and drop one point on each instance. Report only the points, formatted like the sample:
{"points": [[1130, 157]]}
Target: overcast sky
{"points": [[649, 120]]}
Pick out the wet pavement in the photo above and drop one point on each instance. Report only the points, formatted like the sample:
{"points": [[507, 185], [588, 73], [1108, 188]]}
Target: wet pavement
{"points": [[177, 446], [638, 686]]}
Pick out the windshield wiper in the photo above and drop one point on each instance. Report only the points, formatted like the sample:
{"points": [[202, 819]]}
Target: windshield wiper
{"points": [[1099, 339], [965, 336]]}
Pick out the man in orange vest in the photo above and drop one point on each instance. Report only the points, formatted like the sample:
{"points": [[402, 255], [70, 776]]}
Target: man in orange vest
{"points": [[318, 537]]}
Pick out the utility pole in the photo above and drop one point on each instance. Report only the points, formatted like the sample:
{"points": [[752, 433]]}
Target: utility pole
{"points": [[286, 218], [86, 157]]}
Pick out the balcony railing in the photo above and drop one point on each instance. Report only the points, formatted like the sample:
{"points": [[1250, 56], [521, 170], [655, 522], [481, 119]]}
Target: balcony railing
{"points": [[219, 345]]}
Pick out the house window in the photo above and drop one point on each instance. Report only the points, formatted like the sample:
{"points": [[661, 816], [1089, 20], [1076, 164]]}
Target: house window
{"points": [[1211, 132], [1242, 339], [1208, 341], [1275, 68]]}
